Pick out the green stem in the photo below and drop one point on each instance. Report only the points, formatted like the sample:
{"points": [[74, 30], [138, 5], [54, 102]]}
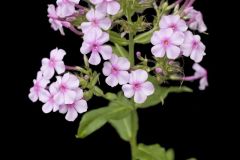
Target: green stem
{"points": [[133, 140], [133, 144], [131, 49]]}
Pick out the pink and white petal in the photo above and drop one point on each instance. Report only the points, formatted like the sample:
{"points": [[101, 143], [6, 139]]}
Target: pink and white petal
{"points": [[99, 15], [90, 15], [48, 73], [95, 58], [203, 83], [200, 71], [165, 33], [81, 106], [33, 96], [96, 1], [73, 82], [139, 97], [43, 82], [103, 38], [158, 50], [47, 107], [113, 7], [177, 38], [147, 88], [60, 67], [140, 75], [79, 94], [128, 90], [107, 68], [55, 107], [112, 80], [102, 7], [186, 50], [43, 95], [69, 96], [63, 109], [123, 77], [156, 39], [57, 54], [173, 52], [45, 62], [105, 23], [53, 88], [105, 51], [182, 26], [71, 114], [197, 56], [59, 98], [39, 75], [165, 22], [86, 26], [114, 59], [65, 78], [85, 48], [188, 37], [123, 63]]}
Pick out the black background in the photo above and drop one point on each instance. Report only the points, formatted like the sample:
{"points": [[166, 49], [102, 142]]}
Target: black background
{"points": [[192, 124]]}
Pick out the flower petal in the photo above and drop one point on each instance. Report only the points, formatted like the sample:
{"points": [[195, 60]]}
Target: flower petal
{"points": [[173, 52], [177, 38], [47, 107], [138, 76], [113, 7], [158, 50], [69, 97], [33, 96], [71, 114], [73, 82], [85, 48], [107, 68], [112, 80], [81, 106], [63, 109], [128, 90], [105, 51], [105, 23], [147, 88], [95, 58], [123, 63], [57, 54], [123, 77], [139, 97], [60, 67]]}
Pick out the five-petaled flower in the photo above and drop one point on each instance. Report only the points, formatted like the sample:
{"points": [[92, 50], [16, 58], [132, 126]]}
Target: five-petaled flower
{"points": [[79, 105], [66, 7], [54, 63], [94, 43], [166, 41], [66, 88], [116, 70], [54, 20], [97, 21], [138, 86], [107, 6], [38, 91], [174, 22], [193, 47]]}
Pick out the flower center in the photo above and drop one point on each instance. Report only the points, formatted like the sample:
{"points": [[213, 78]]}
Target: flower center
{"points": [[37, 87], [194, 44], [95, 47], [63, 88], [166, 42], [114, 70], [52, 62], [136, 86], [95, 22], [174, 27]]}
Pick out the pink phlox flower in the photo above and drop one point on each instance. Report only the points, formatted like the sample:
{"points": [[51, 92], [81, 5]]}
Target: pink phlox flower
{"points": [[200, 73], [97, 21], [55, 21], [174, 22], [38, 91], [66, 88], [79, 105], [116, 70], [193, 47], [94, 43], [66, 7], [107, 6], [166, 41], [138, 86], [54, 63], [195, 20], [50, 103]]}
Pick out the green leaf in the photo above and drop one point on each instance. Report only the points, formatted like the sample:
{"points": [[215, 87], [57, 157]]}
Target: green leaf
{"points": [[92, 121], [110, 96], [161, 93], [144, 38], [126, 127], [116, 38], [170, 154], [97, 91], [95, 119], [151, 152], [120, 51]]}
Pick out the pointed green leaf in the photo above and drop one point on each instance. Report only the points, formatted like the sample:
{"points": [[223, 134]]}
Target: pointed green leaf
{"points": [[120, 51], [160, 93], [126, 127], [170, 154], [145, 37], [116, 38], [151, 152]]}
